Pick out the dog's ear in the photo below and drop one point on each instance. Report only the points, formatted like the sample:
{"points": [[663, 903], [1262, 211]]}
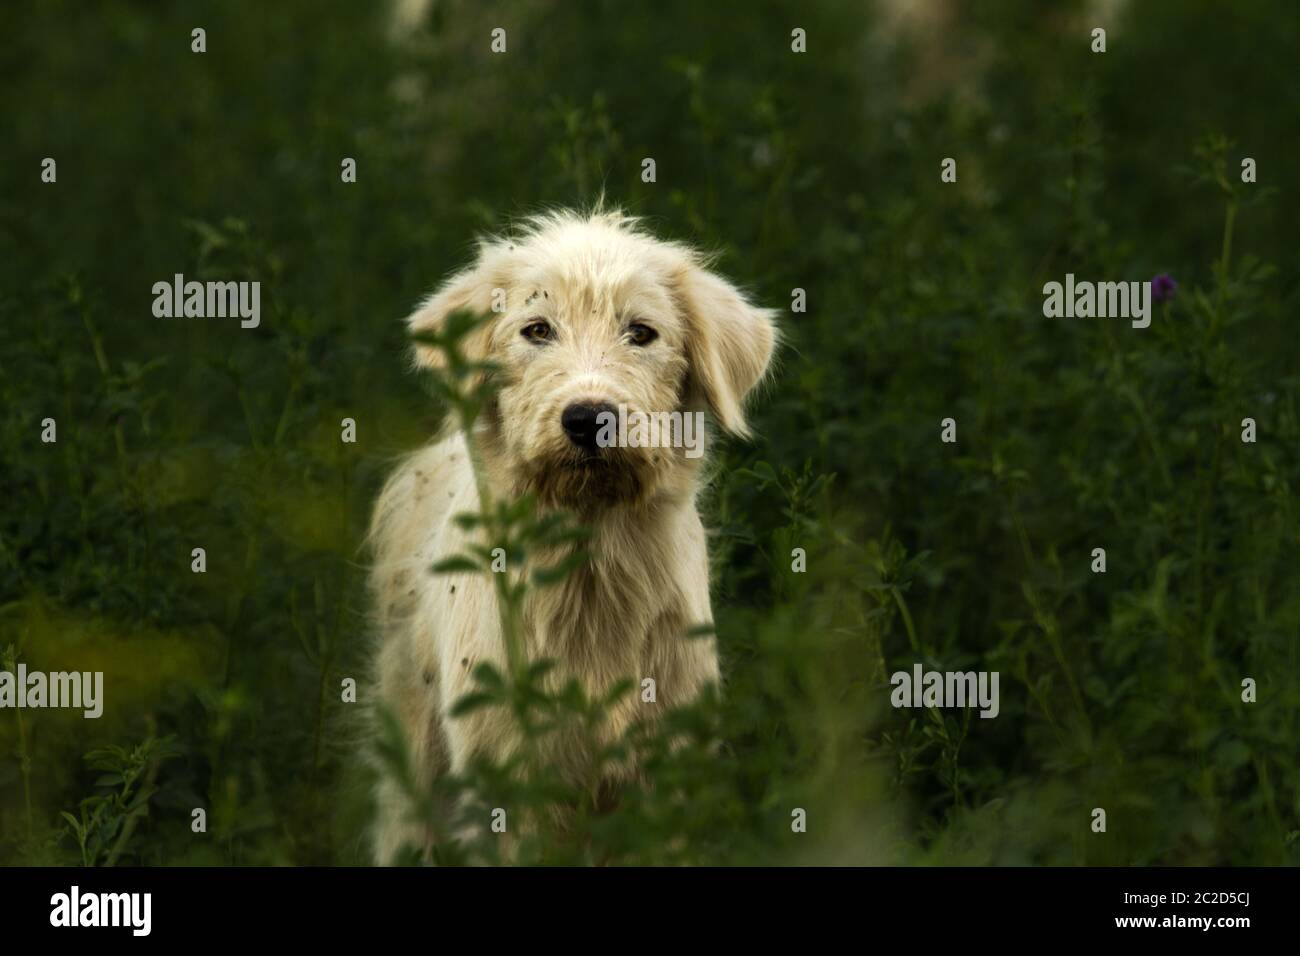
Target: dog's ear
{"points": [[473, 289], [730, 343]]}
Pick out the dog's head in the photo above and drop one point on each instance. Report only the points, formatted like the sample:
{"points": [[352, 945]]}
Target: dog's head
{"points": [[600, 333]]}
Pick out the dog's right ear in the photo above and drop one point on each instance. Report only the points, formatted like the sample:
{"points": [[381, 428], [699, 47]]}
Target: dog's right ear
{"points": [[731, 342], [475, 289]]}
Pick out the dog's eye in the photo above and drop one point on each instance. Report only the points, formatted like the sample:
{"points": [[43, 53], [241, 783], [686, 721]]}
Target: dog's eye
{"points": [[538, 331], [641, 334]]}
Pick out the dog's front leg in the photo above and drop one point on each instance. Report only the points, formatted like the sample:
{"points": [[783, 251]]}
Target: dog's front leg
{"points": [[410, 694]]}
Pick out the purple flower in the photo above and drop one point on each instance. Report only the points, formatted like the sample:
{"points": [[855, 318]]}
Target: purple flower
{"points": [[1163, 287]]}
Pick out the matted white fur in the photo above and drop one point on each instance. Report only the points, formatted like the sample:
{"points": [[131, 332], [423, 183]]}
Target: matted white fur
{"points": [[626, 613]]}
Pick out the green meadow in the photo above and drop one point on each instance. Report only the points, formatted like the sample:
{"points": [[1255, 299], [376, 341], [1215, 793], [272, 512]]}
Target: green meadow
{"points": [[1165, 691]]}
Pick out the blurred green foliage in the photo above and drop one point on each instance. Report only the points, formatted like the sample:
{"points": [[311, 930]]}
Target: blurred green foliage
{"points": [[818, 171]]}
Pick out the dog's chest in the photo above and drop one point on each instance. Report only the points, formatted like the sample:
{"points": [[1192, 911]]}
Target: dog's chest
{"points": [[609, 615]]}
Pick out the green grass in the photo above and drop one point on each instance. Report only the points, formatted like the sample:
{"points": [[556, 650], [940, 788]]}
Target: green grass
{"points": [[818, 171]]}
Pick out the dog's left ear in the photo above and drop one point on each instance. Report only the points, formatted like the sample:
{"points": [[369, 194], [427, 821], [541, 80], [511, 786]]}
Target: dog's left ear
{"points": [[473, 290], [730, 343]]}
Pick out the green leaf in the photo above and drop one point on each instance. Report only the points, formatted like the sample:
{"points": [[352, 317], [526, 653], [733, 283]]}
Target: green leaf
{"points": [[473, 702], [457, 564], [558, 572]]}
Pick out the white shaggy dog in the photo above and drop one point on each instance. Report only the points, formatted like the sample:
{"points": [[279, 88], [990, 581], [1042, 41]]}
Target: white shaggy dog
{"points": [[597, 314]]}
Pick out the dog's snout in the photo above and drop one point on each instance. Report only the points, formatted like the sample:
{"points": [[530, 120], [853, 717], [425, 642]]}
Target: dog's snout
{"points": [[582, 422]]}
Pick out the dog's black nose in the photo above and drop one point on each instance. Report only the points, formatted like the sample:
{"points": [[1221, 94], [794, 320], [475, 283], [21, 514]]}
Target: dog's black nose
{"points": [[583, 421]]}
